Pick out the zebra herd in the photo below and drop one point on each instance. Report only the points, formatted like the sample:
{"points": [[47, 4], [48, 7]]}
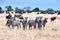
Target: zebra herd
{"points": [[37, 23]]}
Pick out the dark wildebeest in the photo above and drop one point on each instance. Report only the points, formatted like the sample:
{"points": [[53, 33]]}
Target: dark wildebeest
{"points": [[13, 23], [32, 23], [38, 13], [53, 19], [43, 12], [7, 12], [44, 22], [24, 23], [39, 22], [58, 13], [9, 16], [50, 12], [19, 16]]}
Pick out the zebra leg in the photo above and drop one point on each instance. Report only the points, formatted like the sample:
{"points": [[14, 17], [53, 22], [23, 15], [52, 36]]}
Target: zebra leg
{"points": [[9, 26], [20, 25], [30, 27], [44, 26], [34, 26], [17, 27], [6, 24], [39, 26], [13, 26], [23, 27]]}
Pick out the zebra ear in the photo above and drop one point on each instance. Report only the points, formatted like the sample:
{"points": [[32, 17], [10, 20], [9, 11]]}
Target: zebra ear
{"points": [[26, 17], [36, 17], [46, 18], [20, 21]]}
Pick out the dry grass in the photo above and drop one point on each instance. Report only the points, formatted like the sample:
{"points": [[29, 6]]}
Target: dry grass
{"points": [[51, 31]]}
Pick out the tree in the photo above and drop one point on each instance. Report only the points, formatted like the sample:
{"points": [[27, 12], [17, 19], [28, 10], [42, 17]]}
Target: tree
{"points": [[27, 9], [35, 10], [17, 10], [9, 8], [58, 12], [49, 10], [0, 10]]}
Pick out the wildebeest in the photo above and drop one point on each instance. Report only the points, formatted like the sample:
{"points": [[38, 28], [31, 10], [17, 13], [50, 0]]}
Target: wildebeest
{"points": [[7, 12], [50, 12], [53, 18], [38, 13], [19, 16], [9, 16], [58, 13], [13, 23], [24, 23], [43, 12]]}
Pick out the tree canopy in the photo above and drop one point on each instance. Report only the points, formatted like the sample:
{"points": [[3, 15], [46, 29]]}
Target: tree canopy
{"points": [[35, 10], [28, 9], [49, 10], [1, 10], [9, 8], [18, 10]]}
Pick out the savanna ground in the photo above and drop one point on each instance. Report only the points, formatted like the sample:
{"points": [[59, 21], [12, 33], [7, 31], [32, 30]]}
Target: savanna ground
{"points": [[51, 31]]}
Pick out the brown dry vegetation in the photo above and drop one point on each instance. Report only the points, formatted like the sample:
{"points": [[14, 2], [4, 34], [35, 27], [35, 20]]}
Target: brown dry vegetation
{"points": [[51, 31]]}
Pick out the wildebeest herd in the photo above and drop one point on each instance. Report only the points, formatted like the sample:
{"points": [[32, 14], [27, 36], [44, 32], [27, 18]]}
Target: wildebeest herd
{"points": [[38, 22]]}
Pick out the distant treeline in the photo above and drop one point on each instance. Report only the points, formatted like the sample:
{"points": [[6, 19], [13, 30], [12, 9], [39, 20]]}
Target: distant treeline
{"points": [[27, 9]]}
